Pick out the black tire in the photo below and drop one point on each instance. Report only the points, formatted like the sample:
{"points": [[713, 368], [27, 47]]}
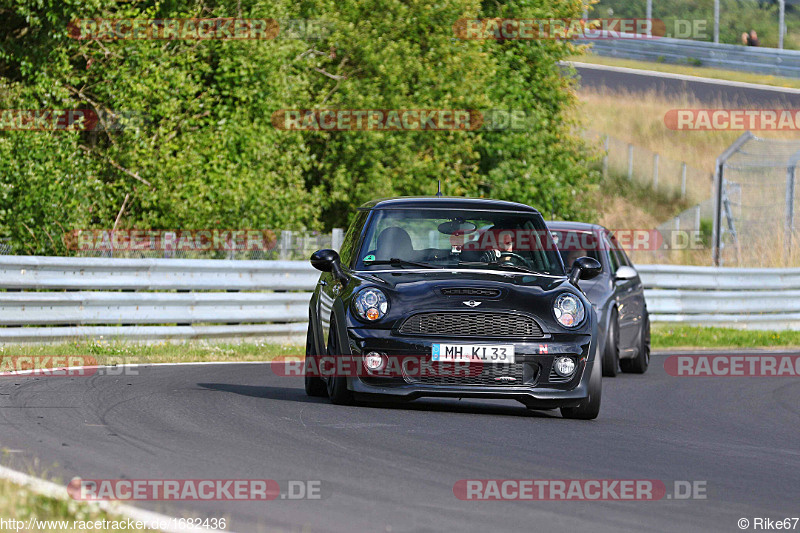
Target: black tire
{"points": [[611, 362], [590, 407], [337, 386], [639, 364], [314, 385]]}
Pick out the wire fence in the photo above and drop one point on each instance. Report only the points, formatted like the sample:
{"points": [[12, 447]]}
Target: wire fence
{"points": [[755, 205], [662, 174]]}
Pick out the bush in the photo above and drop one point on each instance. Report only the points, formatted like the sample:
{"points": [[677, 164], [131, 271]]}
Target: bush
{"points": [[206, 154]]}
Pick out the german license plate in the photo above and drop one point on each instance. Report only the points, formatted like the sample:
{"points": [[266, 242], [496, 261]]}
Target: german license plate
{"points": [[486, 353]]}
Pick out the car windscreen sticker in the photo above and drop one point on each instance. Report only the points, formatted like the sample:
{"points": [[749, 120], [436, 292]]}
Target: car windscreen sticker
{"points": [[370, 257]]}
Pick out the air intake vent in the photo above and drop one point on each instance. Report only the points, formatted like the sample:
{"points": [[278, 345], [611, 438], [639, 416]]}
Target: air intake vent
{"points": [[471, 324], [474, 292]]}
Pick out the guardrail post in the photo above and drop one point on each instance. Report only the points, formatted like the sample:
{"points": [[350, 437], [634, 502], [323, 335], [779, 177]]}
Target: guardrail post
{"points": [[337, 236], [655, 172], [605, 157], [683, 180], [630, 162]]}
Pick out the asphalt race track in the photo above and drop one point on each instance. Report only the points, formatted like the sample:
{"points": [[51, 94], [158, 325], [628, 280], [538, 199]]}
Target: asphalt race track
{"points": [[393, 468], [720, 93]]}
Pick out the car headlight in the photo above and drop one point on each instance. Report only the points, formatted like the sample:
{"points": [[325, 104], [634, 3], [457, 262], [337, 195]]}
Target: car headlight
{"points": [[569, 310], [371, 304]]}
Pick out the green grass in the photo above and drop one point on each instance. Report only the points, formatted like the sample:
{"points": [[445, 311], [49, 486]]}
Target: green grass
{"points": [[119, 352], [20, 503], [664, 336], [705, 72], [670, 337]]}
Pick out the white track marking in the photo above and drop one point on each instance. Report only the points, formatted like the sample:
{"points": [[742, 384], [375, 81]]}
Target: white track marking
{"points": [[52, 490]]}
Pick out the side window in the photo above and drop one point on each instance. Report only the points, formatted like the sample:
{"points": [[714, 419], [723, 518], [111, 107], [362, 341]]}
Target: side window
{"points": [[612, 255], [619, 252], [351, 238], [623, 257]]}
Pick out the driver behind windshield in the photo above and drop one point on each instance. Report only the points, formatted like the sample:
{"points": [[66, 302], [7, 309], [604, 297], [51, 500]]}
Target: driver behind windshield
{"points": [[445, 238]]}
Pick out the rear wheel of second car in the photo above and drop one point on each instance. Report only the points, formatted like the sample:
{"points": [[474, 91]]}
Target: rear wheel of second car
{"points": [[639, 364]]}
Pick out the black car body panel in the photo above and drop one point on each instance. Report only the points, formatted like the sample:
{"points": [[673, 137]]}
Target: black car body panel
{"points": [[605, 292], [504, 298]]}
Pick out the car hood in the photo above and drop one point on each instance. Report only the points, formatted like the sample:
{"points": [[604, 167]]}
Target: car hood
{"points": [[399, 279], [414, 291]]}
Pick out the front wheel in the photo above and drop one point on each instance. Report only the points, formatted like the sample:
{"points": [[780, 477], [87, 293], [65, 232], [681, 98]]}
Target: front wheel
{"points": [[590, 407], [314, 385], [337, 385], [639, 364]]}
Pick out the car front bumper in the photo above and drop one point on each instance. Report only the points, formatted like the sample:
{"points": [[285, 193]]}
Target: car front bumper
{"points": [[535, 383]]}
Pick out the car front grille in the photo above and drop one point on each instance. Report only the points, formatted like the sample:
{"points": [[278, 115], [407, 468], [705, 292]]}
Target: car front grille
{"points": [[471, 324], [510, 375]]}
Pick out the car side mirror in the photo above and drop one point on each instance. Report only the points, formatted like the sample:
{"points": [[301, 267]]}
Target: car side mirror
{"points": [[328, 261], [584, 268], [625, 273]]}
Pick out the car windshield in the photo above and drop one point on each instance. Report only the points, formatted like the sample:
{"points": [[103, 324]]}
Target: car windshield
{"points": [[467, 239]]}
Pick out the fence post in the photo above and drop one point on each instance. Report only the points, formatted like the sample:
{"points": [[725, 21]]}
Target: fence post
{"points": [[683, 180], [655, 172], [605, 157], [697, 217], [337, 236], [286, 244], [719, 178], [789, 223], [630, 162]]}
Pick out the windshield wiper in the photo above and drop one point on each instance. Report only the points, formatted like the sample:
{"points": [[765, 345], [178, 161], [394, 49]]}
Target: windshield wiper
{"points": [[518, 268], [509, 266], [394, 261]]}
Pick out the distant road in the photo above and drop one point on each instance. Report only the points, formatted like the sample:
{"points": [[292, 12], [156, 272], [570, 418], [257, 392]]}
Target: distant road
{"points": [[708, 91]]}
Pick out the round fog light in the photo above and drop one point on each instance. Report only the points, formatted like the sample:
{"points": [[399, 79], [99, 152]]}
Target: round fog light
{"points": [[565, 366], [374, 361]]}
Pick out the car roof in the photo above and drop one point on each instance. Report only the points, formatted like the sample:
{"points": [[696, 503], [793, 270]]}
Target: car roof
{"points": [[447, 202], [575, 226]]}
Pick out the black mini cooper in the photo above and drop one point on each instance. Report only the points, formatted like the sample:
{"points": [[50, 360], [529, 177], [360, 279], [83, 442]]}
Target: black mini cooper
{"points": [[453, 297]]}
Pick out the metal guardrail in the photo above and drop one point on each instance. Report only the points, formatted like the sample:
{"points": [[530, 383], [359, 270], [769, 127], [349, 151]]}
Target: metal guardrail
{"points": [[755, 298], [66, 298], [729, 56], [48, 299]]}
